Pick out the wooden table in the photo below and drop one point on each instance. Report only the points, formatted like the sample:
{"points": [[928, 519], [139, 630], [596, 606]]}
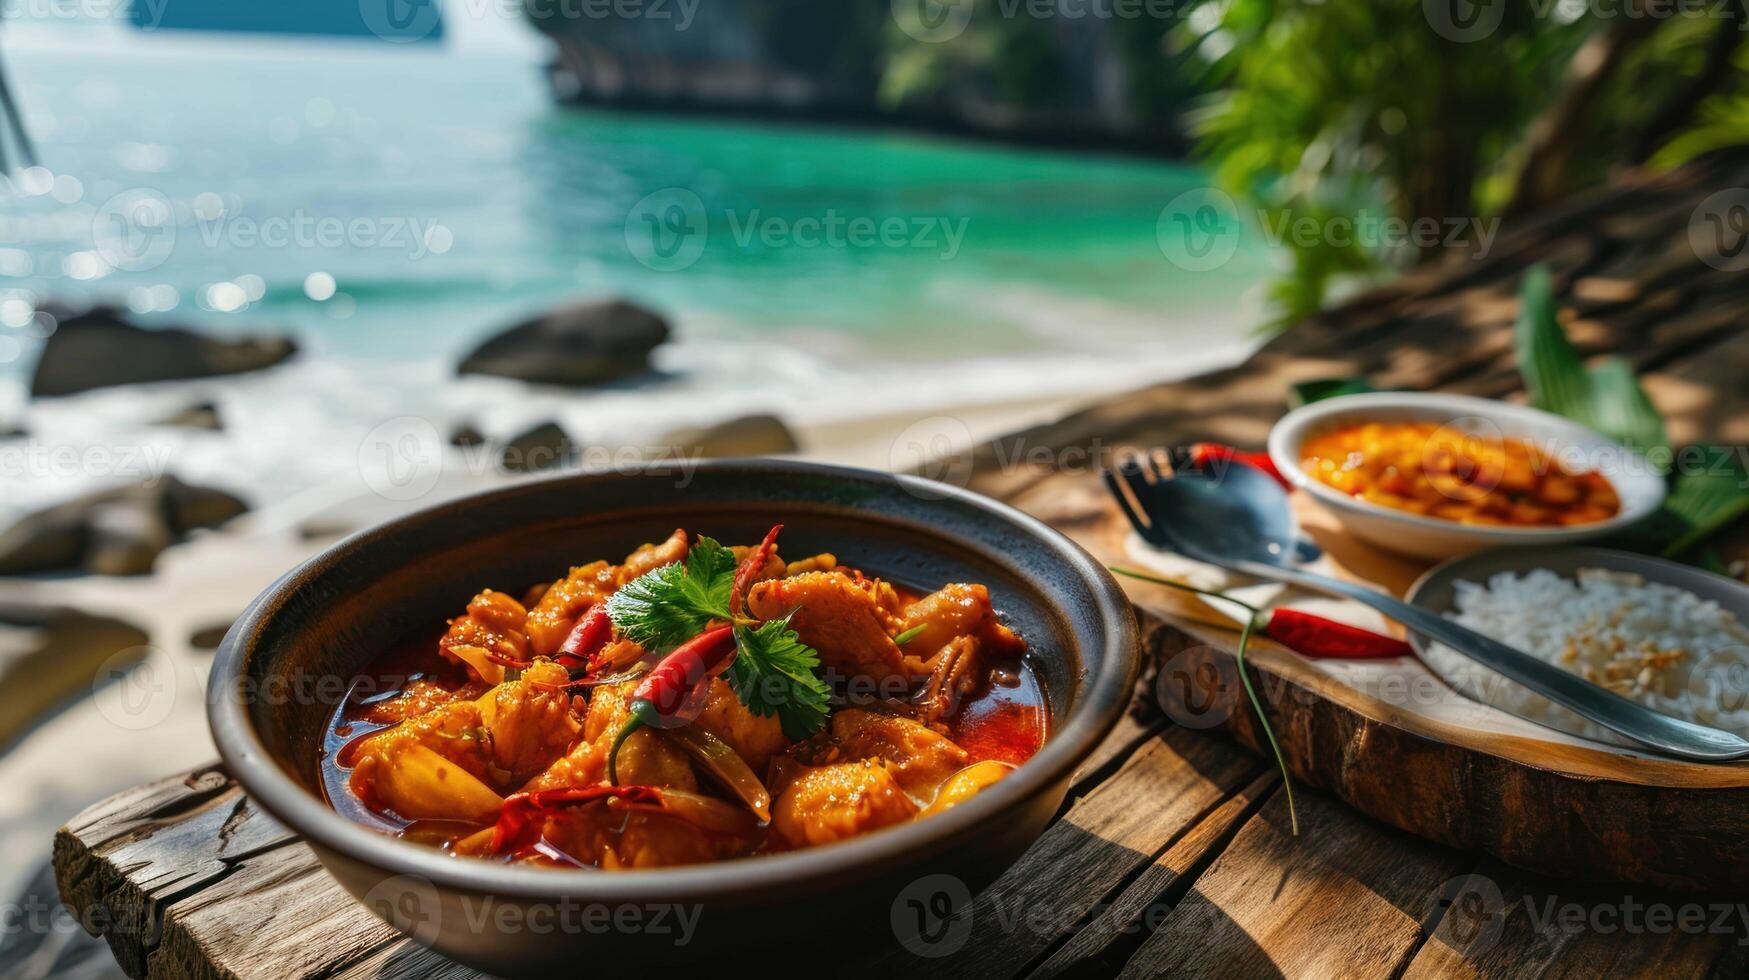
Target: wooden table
{"points": [[1171, 855]]}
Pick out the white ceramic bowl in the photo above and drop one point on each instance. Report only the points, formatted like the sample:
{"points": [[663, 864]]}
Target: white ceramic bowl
{"points": [[1639, 486]]}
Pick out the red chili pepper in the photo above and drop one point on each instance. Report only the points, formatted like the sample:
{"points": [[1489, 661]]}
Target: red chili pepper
{"points": [[750, 567], [505, 660], [586, 639], [668, 685], [1316, 636], [1204, 453], [520, 822]]}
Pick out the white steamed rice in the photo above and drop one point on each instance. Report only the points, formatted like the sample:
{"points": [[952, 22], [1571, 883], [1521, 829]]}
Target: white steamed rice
{"points": [[1656, 644]]}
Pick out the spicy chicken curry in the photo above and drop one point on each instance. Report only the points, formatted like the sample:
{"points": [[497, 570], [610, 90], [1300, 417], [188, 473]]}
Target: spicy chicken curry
{"points": [[691, 703]]}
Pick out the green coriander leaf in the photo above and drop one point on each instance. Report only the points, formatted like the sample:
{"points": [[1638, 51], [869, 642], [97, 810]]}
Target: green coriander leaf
{"points": [[664, 608], [773, 674]]}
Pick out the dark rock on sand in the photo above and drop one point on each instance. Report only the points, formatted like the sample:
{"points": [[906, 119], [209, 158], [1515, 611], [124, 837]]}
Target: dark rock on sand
{"points": [[51, 654], [208, 637], [543, 447], [204, 415], [753, 435], [113, 532], [46, 940], [465, 436], [100, 347], [13, 431], [579, 345]]}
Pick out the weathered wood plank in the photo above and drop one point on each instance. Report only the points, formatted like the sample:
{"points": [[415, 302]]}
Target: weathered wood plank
{"points": [[1346, 898], [1106, 942], [1499, 924], [1170, 784]]}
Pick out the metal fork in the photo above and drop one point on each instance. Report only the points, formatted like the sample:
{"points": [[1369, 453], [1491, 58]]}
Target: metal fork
{"points": [[1239, 520]]}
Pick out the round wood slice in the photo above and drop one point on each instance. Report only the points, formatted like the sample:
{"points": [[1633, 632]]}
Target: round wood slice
{"points": [[1578, 811]]}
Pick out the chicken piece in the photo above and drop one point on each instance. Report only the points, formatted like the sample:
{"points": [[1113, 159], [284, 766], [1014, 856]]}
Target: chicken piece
{"points": [[494, 623], [649, 557], [953, 611], [420, 696], [432, 767], [754, 738], [646, 759], [839, 617], [918, 757], [838, 802], [453, 731], [530, 721], [550, 621], [593, 835]]}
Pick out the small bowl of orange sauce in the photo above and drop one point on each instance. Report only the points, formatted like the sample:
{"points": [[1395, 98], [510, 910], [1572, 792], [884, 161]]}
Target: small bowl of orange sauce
{"points": [[1440, 475]]}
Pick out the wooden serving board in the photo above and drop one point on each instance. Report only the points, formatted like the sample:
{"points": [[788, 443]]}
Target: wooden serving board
{"points": [[1394, 741]]}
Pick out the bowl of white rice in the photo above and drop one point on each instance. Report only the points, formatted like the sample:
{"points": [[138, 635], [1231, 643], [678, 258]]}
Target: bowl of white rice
{"points": [[1671, 637]]}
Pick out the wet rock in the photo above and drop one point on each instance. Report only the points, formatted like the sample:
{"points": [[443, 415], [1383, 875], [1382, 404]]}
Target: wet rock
{"points": [[753, 435], [577, 346], [113, 532], [321, 528], [52, 654], [209, 637], [544, 447], [205, 415], [9, 431], [100, 347], [465, 436]]}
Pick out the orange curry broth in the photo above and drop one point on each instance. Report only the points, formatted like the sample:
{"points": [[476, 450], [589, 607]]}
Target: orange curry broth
{"points": [[1436, 471], [1007, 722]]}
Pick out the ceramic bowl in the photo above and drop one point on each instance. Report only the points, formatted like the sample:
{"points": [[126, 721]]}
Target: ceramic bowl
{"points": [[1640, 488], [326, 620]]}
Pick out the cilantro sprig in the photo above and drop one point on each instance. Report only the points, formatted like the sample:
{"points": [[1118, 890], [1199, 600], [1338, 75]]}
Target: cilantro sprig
{"points": [[773, 672]]}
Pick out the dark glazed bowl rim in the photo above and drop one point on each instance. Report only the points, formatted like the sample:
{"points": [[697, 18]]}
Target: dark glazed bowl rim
{"points": [[1101, 699]]}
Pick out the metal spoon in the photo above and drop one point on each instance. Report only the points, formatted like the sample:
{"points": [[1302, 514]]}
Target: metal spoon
{"points": [[1239, 519]]}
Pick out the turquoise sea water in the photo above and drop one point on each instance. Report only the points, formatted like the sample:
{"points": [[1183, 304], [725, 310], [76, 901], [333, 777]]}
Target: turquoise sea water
{"points": [[444, 195]]}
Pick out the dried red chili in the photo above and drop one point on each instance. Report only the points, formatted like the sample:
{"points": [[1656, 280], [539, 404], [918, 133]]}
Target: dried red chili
{"points": [[586, 639], [1203, 454], [750, 567], [524, 814]]}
